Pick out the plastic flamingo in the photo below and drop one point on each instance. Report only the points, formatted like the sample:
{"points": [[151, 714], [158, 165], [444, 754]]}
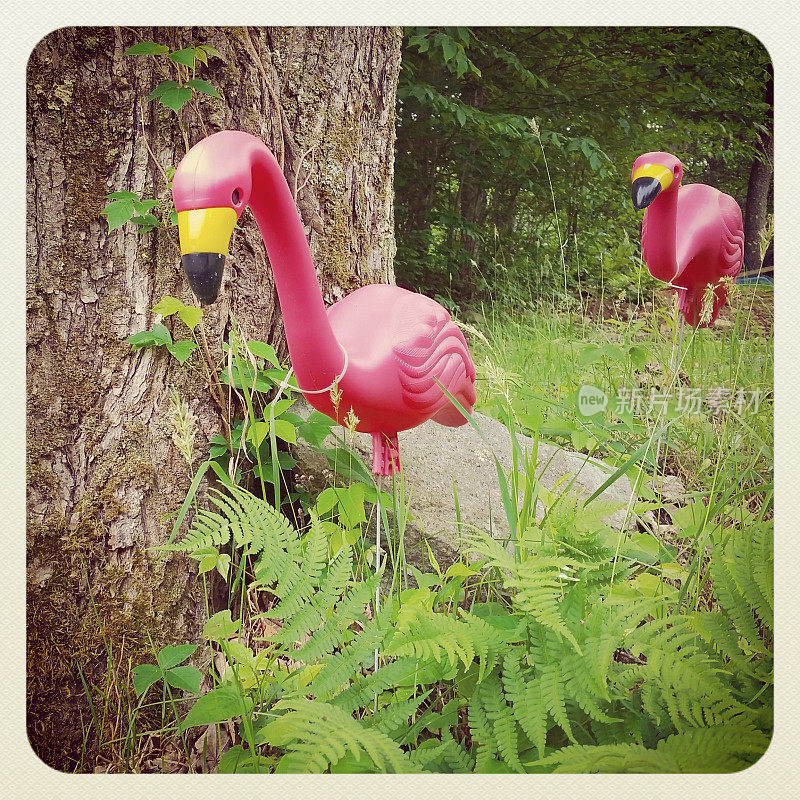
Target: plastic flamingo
{"points": [[692, 235], [385, 349]]}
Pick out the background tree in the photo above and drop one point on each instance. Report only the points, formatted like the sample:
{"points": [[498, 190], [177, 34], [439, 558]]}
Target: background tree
{"points": [[103, 473]]}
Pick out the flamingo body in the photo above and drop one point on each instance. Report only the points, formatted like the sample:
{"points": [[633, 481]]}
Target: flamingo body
{"points": [[387, 351], [692, 236]]}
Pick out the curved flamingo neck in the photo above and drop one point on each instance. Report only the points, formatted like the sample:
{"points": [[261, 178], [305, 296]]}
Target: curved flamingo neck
{"points": [[662, 227], [316, 355]]}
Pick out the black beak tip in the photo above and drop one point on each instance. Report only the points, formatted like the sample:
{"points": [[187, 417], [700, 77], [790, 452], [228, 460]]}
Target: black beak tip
{"points": [[644, 191], [204, 271]]}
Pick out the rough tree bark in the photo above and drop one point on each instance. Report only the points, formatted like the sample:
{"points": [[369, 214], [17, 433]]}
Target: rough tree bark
{"points": [[103, 473], [758, 189]]}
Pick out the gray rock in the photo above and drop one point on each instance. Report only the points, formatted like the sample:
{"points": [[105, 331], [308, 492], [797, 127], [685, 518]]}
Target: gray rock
{"points": [[436, 459]]}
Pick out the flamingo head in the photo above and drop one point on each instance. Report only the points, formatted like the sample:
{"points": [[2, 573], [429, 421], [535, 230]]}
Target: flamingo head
{"points": [[652, 174], [210, 189]]}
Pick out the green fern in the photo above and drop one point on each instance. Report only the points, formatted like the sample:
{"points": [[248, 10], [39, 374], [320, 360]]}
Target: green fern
{"points": [[316, 735], [714, 749]]}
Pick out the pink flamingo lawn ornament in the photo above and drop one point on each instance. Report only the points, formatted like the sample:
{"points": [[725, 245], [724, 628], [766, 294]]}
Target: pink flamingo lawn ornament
{"points": [[385, 348], [692, 235]]}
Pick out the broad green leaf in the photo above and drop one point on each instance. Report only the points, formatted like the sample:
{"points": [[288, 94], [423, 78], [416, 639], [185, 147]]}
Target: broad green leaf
{"points": [[326, 500], [148, 222], [118, 212], [144, 676], [257, 432], [175, 99], [123, 195], [187, 678], [220, 627], [143, 206], [182, 350], [191, 316], [146, 49], [449, 47], [172, 655], [167, 306], [265, 351], [160, 89], [209, 50], [202, 86], [281, 406], [458, 570], [207, 564], [219, 705], [159, 335], [185, 57], [351, 504], [285, 430]]}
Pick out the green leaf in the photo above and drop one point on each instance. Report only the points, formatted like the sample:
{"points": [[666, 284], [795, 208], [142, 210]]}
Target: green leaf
{"points": [[160, 89], [144, 676], [191, 316], [167, 306], [461, 116], [220, 627], [210, 51], [257, 432], [185, 56], [143, 206], [175, 99], [123, 195], [202, 86], [285, 430], [146, 49], [147, 222], [449, 47], [223, 703], [182, 350], [156, 337], [186, 678], [326, 500], [117, 213], [265, 351], [172, 655]]}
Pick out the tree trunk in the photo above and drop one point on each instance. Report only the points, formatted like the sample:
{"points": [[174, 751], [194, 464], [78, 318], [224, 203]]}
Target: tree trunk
{"points": [[103, 473], [758, 190]]}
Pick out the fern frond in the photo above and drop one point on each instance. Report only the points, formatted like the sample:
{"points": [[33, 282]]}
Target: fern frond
{"points": [[552, 686], [718, 749], [337, 668], [316, 735], [501, 717], [396, 714], [349, 609], [432, 636], [364, 688]]}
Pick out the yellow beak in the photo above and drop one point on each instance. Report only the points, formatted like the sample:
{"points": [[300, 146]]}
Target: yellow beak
{"points": [[662, 174], [205, 234], [206, 230], [648, 182]]}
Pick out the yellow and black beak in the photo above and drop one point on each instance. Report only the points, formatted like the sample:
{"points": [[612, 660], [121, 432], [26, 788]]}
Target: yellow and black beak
{"points": [[204, 235], [648, 181]]}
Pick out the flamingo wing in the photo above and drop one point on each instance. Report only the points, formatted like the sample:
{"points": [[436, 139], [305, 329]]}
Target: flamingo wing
{"points": [[430, 347], [732, 230]]}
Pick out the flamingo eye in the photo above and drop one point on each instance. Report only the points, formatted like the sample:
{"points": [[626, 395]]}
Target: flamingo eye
{"points": [[235, 197]]}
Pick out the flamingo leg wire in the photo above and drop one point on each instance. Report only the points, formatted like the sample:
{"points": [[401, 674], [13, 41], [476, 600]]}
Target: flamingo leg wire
{"points": [[377, 568]]}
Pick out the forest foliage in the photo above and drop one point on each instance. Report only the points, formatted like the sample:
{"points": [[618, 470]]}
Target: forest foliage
{"points": [[496, 123]]}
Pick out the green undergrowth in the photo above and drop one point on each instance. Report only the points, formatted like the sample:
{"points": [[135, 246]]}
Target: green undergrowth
{"points": [[570, 646]]}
